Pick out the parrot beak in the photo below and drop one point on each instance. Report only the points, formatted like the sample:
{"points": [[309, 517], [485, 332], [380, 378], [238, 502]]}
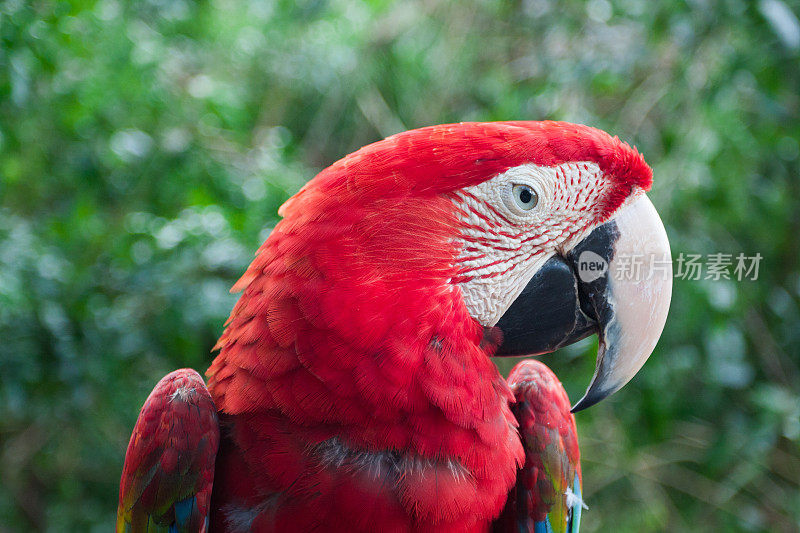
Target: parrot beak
{"points": [[616, 282]]}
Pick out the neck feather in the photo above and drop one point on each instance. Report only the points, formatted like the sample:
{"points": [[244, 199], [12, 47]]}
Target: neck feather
{"points": [[349, 321]]}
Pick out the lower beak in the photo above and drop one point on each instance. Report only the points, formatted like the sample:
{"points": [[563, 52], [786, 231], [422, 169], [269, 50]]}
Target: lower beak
{"points": [[617, 282]]}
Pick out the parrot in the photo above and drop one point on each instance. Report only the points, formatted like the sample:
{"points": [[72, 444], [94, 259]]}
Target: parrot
{"points": [[353, 387]]}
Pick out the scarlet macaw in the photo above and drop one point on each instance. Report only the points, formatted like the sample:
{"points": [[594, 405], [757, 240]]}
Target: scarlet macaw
{"points": [[354, 390]]}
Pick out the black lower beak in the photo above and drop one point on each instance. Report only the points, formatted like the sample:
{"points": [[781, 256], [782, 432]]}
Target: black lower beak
{"points": [[548, 314], [557, 307]]}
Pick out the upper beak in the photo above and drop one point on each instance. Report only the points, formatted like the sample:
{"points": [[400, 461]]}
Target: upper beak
{"points": [[616, 282]]}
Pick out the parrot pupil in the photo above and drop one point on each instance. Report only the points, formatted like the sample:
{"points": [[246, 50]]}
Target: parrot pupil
{"points": [[526, 196]]}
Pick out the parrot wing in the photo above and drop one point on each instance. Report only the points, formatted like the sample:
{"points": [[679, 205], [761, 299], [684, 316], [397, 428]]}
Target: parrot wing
{"points": [[547, 495], [169, 466]]}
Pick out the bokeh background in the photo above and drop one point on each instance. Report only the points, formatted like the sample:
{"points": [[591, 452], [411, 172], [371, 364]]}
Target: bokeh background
{"points": [[146, 146]]}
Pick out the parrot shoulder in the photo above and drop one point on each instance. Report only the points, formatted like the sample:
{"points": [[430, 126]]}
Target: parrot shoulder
{"points": [[169, 466], [547, 494]]}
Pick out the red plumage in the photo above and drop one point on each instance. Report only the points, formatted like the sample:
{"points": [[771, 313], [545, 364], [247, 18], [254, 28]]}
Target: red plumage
{"points": [[355, 390]]}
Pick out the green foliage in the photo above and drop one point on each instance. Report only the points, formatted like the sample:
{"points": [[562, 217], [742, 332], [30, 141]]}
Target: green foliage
{"points": [[146, 146]]}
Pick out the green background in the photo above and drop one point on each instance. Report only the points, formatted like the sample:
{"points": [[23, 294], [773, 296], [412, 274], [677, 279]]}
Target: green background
{"points": [[146, 147]]}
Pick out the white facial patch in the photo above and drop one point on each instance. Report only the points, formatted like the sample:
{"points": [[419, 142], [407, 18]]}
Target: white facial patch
{"points": [[504, 241]]}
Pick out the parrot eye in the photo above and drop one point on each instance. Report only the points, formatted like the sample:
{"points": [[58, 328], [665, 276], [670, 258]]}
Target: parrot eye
{"points": [[525, 198]]}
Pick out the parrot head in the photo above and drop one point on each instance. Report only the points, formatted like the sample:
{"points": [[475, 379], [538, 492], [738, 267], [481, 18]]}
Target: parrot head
{"points": [[515, 232]]}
